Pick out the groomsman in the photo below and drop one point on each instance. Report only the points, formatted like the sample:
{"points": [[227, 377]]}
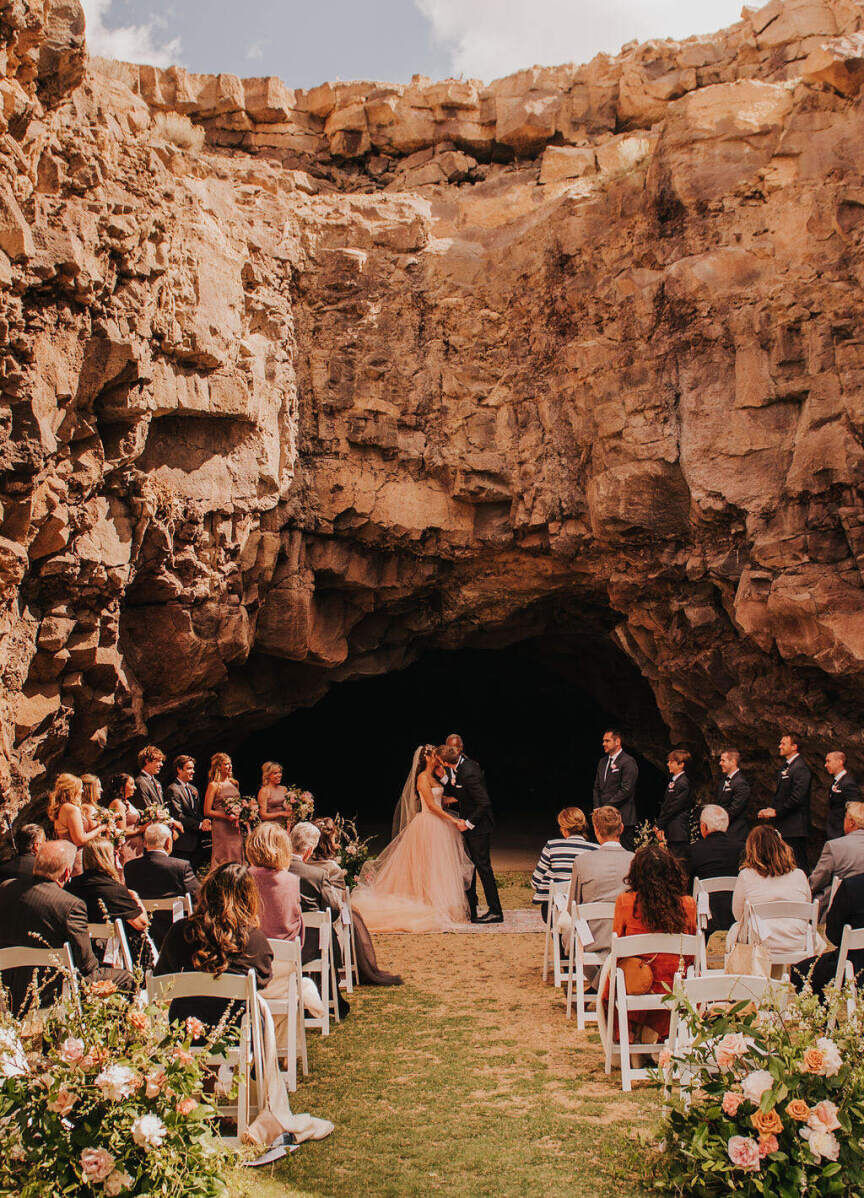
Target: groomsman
{"points": [[184, 803], [791, 805], [148, 788], [615, 784], [674, 816], [844, 789], [733, 794]]}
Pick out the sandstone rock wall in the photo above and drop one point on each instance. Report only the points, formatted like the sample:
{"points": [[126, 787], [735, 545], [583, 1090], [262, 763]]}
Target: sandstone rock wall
{"points": [[378, 369]]}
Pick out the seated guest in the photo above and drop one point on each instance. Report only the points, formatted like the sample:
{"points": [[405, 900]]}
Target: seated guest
{"points": [[41, 914], [158, 875], [268, 851], [105, 895], [599, 877], [843, 790], [317, 892], [559, 853], [673, 819], [121, 789], [768, 875], [26, 842], [185, 805], [716, 855], [840, 858], [326, 854], [847, 907], [655, 901]]}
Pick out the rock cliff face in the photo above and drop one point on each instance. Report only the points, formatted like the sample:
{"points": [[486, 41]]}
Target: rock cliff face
{"points": [[297, 385]]}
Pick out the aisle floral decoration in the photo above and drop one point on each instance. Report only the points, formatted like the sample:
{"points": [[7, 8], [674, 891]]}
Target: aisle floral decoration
{"points": [[353, 852], [767, 1102], [104, 1098]]}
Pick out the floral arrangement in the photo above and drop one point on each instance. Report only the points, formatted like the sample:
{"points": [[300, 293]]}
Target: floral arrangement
{"points": [[155, 813], [300, 803], [246, 811], [114, 826], [105, 1098], [767, 1102], [353, 852], [646, 833]]}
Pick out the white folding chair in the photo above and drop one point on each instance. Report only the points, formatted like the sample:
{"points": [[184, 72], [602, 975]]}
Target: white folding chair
{"points": [[248, 1054], [288, 953], [852, 940], [620, 1003], [58, 959], [580, 956], [348, 943], [167, 904], [715, 988], [324, 968], [116, 945], [709, 886], [808, 913], [557, 902]]}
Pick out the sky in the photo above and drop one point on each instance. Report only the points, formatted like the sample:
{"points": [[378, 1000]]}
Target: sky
{"points": [[306, 42]]}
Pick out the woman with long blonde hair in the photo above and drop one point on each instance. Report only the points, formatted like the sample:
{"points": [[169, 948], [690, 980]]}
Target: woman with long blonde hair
{"points": [[272, 795], [221, 794], [66, 812]]}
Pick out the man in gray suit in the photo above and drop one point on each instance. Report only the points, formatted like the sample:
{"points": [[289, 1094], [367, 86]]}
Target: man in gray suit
{"points": [[841, 858], [599, 877]]}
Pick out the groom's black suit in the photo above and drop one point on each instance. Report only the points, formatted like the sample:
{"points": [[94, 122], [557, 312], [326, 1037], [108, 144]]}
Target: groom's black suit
{"points": [[468, 786]]}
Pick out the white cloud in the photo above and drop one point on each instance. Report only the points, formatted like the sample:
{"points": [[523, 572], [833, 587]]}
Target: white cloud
{"points": [[129, 43], [490, 38], [255, 50]]}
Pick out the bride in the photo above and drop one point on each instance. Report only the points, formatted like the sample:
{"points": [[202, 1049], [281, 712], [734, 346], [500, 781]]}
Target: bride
{"points": [[418, 883]]}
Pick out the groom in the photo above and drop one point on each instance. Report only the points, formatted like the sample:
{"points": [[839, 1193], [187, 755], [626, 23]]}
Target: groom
{"points": [[466, 789]]}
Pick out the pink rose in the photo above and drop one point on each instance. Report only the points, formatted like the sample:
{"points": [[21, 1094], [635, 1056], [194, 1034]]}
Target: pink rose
{"points": [[96, 1164], [194, 1028], [154, 1081], [182, 1057], [730, 1048], [744, 1153], [768, 1144], [823, 1117], [63, 1102], [731, 1103], [186, 1106], [71, 1051]]}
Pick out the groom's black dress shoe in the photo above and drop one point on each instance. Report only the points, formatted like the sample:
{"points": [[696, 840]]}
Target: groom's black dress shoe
{"points": [[490, 917]]}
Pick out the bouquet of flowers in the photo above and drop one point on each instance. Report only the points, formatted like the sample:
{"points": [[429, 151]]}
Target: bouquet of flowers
{"points": [[299, 803], [768, 1102], [114, 822], [246, 810], [106, 1099], [646, 833], [353, 852], [155, 813]]}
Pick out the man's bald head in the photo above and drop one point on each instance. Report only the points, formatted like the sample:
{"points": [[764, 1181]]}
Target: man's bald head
{"points": [[54, 859]]}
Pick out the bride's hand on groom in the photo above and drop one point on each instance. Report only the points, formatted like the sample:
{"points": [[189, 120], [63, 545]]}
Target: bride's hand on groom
{"points": [[461, 825]]}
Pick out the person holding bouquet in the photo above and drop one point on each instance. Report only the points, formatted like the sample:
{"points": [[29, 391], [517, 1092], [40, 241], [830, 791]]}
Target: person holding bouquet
{"points": [[273, 796], [222, 805]]}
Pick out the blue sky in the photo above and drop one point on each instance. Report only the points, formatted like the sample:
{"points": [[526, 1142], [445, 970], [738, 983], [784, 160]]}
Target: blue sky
{"points": [[305, 42]]}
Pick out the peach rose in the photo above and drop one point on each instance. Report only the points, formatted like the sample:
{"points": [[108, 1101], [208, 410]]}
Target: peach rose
{"points": [[731, 1103], [744, 1153], [186, 1106], [195, 1028], [730, 1048], [798, 1109], [767, 1123], [767, 1145], [824, 1116], [823, 1058], [103, 988], [154, 1082], [138, 1020], [63, 1102], [182, 1057]]}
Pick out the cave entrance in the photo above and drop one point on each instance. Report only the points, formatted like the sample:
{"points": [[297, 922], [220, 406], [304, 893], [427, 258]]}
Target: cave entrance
{"points": [[532, 714]]}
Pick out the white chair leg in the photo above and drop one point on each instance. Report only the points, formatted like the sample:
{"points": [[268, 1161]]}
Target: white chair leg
{"points": [[609, 1019], [570, 967], [580, 998], [292, 1040], [325, 997], [334, 990], [243, 1085], [546, 945], [556, 955], [300, 1043], [624, 1038]]}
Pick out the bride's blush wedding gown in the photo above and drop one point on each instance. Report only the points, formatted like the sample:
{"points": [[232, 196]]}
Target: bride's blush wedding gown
{"points": [[418, 883]]}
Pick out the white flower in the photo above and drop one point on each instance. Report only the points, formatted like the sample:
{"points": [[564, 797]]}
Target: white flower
{"points": [[116, 1183], [148, 1131], [755, 1084], [117, 1082], [822, 1143], [71, 1050], [833, 1059], [13, 1060]]}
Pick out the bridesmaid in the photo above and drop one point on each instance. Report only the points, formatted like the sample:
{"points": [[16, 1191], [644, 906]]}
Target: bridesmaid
{"points": [[121, 788], [70, 821], [272, 795], [227, 837]]}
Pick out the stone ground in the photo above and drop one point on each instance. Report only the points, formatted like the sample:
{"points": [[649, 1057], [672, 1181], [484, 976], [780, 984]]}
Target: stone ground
{"points": [[467, 1081]]}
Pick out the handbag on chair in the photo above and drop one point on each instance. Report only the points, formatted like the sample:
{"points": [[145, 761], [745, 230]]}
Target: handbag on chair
{"points": [[638, 975], [748, 955]]}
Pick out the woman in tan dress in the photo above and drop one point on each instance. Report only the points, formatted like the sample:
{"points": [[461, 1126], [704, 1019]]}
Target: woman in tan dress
{"points": [[222, 787], [272, 795], [70, 821]]}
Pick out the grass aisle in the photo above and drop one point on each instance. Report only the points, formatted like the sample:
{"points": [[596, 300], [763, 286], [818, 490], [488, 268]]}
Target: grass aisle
{"points": [[465, 1081]]}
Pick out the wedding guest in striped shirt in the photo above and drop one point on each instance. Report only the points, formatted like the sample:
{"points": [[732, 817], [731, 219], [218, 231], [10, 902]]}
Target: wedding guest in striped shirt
{"points": [[559, 853]]}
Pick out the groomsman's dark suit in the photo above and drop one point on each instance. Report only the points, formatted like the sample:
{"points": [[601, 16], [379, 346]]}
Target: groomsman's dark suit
{"points": [[674, 816], [615, 786], [155, 875], [148, 791], [184, 803], [792, 803], [844, 789], [468, 786], [41, 914], [733, 794]]}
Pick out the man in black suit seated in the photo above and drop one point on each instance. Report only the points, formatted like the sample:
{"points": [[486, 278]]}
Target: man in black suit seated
{"points": [[733, 794], [184, 803], [41, 914], [843, 790], [317, 893], [27, 841], [790, 809], [716, 855], [158, 875], [615, 784], [148, 788], [847, 907]]}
